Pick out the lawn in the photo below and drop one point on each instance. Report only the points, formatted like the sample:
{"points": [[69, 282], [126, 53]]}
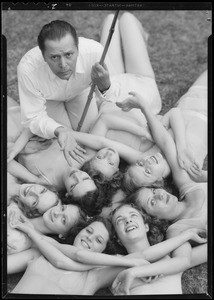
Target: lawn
{"points": [[177, 46]]}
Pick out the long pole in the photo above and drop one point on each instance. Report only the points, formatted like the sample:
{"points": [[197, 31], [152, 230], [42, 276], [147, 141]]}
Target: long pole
{"points": [[90, 95]]}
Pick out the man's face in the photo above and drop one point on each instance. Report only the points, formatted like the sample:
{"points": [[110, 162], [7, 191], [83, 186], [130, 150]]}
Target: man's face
{"points": [[61, 56]]}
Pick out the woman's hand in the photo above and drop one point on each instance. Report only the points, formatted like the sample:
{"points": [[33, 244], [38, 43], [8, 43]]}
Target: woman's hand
{"points": [[123, 282], [185, 158], [197, 174], [197, 235], [134, 101], [21, 222]]}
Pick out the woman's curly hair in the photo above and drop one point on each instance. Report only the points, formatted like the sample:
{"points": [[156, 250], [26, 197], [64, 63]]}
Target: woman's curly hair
{"points": [[129, 186], [98, 176], [93, 201], [157, 228], [70, 237]]}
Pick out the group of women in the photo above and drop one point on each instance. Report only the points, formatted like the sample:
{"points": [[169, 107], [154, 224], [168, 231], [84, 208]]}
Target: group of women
{"points": [[142, 255]]}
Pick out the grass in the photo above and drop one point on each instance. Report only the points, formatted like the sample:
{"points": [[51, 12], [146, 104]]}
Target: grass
{"points": [[177, 48]]}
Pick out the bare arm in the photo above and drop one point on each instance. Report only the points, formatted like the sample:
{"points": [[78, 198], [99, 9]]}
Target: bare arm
{"points": [[160, 135], [109, 121], [17, 262], [19, 171], [160, 250], [177, 264], [19, 144], [129, 154], [150, 254], [54, 255], [103, 259], [177, 124]]}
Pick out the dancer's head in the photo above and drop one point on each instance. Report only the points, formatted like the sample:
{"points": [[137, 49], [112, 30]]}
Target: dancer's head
{"points": [[150, 172]]}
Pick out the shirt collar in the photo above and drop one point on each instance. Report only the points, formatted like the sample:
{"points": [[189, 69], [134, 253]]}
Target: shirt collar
{"points": [[79, 65], [51, 73]]}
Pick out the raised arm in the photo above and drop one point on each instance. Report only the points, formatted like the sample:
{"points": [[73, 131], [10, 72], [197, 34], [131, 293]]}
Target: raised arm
{"points": [[129, 154], [109, 121], [49, 250], [160, 135]]}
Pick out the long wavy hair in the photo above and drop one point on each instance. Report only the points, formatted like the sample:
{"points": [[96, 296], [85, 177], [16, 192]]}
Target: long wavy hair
{"points": [[93, 201], [129, 186], [70, 237], [157, 228]]}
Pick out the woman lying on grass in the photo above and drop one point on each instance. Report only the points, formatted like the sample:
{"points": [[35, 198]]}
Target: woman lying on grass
{"points": [[76, 270], [57, 220], [191, 212]]}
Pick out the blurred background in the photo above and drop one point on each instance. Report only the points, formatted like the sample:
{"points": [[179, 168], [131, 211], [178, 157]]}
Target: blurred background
{"points": [[178, 50]]}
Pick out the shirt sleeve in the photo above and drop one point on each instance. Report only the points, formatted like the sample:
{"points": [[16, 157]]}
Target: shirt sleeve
{"points": [[33, 108], [110, 95]]}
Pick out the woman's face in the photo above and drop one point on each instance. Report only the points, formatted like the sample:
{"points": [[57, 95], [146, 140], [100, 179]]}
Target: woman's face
{"points": [[129, 224], [78, 183], [93, 238], [37, 197], [106, 161], [152, 169], [60, 219], [157, 203]]}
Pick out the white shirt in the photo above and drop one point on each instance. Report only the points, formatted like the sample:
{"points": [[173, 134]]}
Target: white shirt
{"points": [[38, 84]]}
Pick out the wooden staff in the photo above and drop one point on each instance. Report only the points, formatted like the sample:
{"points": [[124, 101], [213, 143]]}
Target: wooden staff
{"points": [[90, 95]]}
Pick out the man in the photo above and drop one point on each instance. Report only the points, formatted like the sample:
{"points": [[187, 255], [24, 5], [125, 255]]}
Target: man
{"points": [[54, 80]]}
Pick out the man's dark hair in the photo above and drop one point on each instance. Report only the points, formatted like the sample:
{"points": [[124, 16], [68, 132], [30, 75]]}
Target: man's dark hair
{"points": [[56, 30]]}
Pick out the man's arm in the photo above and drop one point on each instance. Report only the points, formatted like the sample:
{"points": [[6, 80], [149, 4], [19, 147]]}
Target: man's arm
{"points": [[33, 107]]}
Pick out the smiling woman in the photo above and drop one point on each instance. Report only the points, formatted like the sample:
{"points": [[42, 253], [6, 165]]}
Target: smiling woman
{"points": [[58, 219], [33, 199], [37, 198]]}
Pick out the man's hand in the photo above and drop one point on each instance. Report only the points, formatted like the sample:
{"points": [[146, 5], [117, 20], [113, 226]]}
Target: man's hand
{"points": [[69, 145], [100, 76]]}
